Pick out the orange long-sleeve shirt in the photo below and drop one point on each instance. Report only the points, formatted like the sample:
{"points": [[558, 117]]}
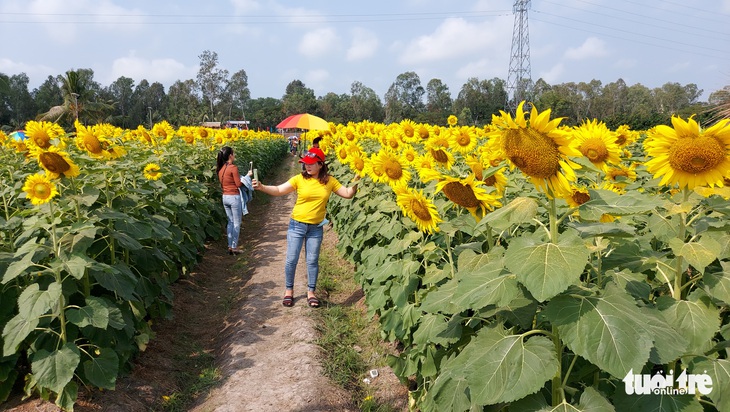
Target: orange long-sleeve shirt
{"points": [[230, 179]]}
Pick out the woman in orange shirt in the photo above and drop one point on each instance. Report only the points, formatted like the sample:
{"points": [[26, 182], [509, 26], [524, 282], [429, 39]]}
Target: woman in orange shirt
{"points": [[313, 186], [230, 182]]}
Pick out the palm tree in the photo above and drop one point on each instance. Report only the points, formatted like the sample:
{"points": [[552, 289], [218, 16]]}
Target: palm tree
{"points": [[78, 100]]}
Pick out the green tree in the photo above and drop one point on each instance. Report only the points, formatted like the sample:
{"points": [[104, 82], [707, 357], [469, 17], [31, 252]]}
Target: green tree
{"points": [[183, 104], [120, 91], [365, 103], [298, 98], [335, 108], [265, 112], [211, 81], [438, 103], [483, 98], [79, 92], [404, 98], [237, 95]]}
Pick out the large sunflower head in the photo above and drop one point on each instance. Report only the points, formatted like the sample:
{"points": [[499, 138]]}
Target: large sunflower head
{"points": [[597, 143], [539, 149], [577, 196], [423, 132], [41, 134], [468, 193], [689, 157], [464, 138], [418, 208], [164, 132], [625, 136], [394, 168], [452, 120], [39, 189], [57, 163], [408, 131], [89, 141]]}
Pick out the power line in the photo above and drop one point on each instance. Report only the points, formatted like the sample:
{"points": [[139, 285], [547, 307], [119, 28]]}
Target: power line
{"points": [[674, 42], [644, 23], [634, 40]]}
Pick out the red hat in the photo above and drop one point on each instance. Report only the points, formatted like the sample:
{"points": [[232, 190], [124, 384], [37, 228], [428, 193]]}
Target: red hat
{"points": [[313, 156]]}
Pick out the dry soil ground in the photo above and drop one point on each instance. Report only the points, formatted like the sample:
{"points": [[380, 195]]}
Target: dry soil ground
{"points": [[230, 308]]}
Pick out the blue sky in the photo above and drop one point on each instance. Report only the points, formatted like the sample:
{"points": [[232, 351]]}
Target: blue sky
{"points": [[329, 44]]}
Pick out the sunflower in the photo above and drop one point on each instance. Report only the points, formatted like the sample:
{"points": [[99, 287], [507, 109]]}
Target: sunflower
{"points": [[540, 150], [625, 136], [463, 139], [597, 143], [152, 171], [3, 138], [409, 154], [391, 140], [88, 140], [39, 189], [418, 208], [497, 180], [57, 163], [164, 132], [452, 120], [687, 156], [423, 132], [468, 194], [577, 196], [41, 133], [408, 131], [358, 162], [394, 168]]}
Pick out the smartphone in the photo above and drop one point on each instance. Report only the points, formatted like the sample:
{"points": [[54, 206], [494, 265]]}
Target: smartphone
{"points": [[256, 175]]}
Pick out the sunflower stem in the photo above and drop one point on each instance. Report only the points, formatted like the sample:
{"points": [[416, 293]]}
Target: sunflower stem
{"points": [[681, 234], [557, 384], [57, 273], [553, 210]]}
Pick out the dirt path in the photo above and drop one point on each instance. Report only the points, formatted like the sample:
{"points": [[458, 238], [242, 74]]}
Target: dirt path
{"points": [[230, 307]]}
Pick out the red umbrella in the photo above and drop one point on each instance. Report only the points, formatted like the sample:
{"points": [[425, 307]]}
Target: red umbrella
{"points": [[303, 121]]}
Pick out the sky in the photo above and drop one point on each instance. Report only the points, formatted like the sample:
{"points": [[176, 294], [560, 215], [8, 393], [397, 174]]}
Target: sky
{"points": [[329, 44]]}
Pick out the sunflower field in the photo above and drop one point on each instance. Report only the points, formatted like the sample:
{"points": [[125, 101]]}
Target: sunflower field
{"points": [[95, 225], [526, 266]]}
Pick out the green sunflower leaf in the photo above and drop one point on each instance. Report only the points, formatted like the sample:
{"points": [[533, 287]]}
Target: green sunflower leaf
{"points": [[603, 329], [54, 370], [719, 371], [718, 283], [547, 268], [697, 318], [503, 368], [102, 369], [699, 254]]}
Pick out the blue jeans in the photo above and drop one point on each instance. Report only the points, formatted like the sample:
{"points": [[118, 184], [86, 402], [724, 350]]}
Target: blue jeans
{"points": [[232, 205], [311, 237]]}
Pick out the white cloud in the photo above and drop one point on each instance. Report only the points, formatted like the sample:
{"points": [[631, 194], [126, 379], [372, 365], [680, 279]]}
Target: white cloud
{"points": [[483, 69], [364, 44], [318, 43], [36, 73], [625, 64], [553, 75], [316, 78], [591, 48], [163, 70], [453, 38]]}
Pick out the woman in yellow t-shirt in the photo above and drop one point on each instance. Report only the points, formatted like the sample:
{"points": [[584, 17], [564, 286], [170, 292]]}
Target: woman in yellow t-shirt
{"points": [[314, 187]]}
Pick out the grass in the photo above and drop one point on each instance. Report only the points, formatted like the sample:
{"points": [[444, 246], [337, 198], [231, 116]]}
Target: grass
{"points": [[349, 340], [198, 374]]}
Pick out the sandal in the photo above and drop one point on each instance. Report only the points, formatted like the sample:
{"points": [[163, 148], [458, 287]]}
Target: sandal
{"points": [[313, 302], [288, 301]]}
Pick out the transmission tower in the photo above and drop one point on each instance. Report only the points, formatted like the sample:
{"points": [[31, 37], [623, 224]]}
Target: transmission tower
{"points": [[519, 78]]}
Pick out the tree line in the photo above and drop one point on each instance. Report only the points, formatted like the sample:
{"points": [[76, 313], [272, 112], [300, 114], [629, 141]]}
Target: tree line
{"points": [[215, 95]]}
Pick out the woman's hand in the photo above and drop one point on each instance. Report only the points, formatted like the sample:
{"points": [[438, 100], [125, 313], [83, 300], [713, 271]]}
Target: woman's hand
{"points": [[256, 185], [250, 173]]}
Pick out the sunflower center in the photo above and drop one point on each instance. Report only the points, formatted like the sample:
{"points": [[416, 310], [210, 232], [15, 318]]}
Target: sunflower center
{"points": [[42, 140], [359, 164], [393, 143], [696, 155], [343, 153], [534, 153], [41, 190], [620, 140], [490, 181], [595, 150], [423, 133], [580, 197], [439, 155], [461, 194], [53, 162], [409, 131], [420, 210], [393, 169], [463, 139]]}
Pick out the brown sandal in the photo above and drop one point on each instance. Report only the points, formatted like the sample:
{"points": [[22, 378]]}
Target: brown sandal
{"points": [[288, 301], [313, 302]]}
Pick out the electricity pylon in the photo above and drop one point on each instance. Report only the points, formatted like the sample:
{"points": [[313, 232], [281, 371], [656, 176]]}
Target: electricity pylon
{"points": [[519, 78]]}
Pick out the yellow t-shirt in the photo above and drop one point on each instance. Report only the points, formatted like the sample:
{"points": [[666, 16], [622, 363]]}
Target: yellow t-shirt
{"points": [[312, 197]]}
